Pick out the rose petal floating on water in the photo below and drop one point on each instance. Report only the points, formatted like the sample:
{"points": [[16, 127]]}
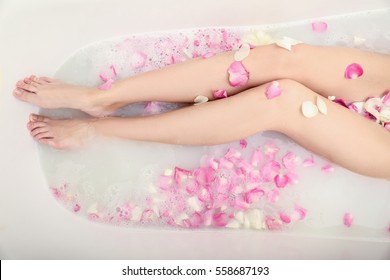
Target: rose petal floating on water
{"points": [[220, 220], [273, 90], [255, 218], [272, 223], [309, 162], [138, 60], [322, 106], [299, 213], [200, 100], [273, 196], [331, 97], [353, 71], [220, 93], [243, 143], [152, 108], [290, 161], [208, 54], [238, 75], [253, 195], [270, 170], [309, 110], [319, 26], [76, 208], [281, 181], [285, 218], [270, 150], [347, 219], [242, 52], [327, 168], [107, 85], [292, 178], [256, 158], [287, 43]]}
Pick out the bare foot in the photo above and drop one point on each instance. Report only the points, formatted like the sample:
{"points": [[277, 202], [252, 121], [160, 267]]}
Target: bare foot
{"points": [[60, 134], [51, 93]]}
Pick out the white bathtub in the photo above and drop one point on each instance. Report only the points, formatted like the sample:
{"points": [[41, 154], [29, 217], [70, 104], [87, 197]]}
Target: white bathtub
{"points": [[36, 37]]}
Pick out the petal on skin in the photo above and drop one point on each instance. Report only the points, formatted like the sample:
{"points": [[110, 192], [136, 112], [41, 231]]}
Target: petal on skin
{"points": [[319, 26], [386, 99], [281, 181], [387, 126], [273, 90], [238, 75], [243, 143], [385, 115], [208, 54], [242, 52], [322, 106], [107, 85], [200, 100], [341, 102], [331, 97], [220, 93], [287, 43], [353, 71], [348, 219], [356, 107], [327, 168], [309, 110]]}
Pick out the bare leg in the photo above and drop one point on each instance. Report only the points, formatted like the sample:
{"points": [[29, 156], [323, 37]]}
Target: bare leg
{"points": [[319, 68], [341, 136]]}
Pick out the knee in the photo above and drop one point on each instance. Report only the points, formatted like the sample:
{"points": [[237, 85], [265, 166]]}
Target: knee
{"points": [[294, 92]]}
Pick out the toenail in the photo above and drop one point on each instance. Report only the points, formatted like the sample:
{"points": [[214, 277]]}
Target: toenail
{"points": [[34, 117], [17, 92]]}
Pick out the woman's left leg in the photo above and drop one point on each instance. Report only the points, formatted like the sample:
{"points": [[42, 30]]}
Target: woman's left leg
{"points": [[340, 136]]}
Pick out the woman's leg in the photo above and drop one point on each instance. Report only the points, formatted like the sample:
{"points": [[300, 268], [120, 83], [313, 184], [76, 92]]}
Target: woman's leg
{"points": [[319, 68], [341, 136]]}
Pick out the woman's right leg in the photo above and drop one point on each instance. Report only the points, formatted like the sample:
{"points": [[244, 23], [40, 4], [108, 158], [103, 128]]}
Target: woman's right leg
{"points": [[341, 136]]}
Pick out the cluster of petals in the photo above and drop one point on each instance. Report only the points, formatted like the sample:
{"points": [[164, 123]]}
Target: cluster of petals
{"points": [[374, 108]]}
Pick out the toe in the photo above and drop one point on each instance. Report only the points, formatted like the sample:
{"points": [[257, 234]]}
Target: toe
{"points": [[34, 125], [36, 132], [25, 95], [38, 118], [29, 87]]}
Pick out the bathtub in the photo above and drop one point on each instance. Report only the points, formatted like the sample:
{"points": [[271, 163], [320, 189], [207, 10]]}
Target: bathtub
{"points": [[36, 37]]}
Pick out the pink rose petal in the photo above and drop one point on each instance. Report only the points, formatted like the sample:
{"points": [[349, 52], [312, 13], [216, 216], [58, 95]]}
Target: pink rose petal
{"points": [[107, 85], [327, 168], [243, 143], [272, 223], [300, 213], [273, 90], [180, 174], [238, 75], [292, 178], [138, 60], [386, 99], [281, 181], [220, 93], [270, 150], [319, 26], [309, 162], [347, 219], [208, 54], [76, 208], [93, 216], [290, 161], [196, 220], [285, 218], [221, 219], [273, 196], [270, 170], [152, 108], [253, 195], [353, 71], [387, 126], [256, 158]]}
